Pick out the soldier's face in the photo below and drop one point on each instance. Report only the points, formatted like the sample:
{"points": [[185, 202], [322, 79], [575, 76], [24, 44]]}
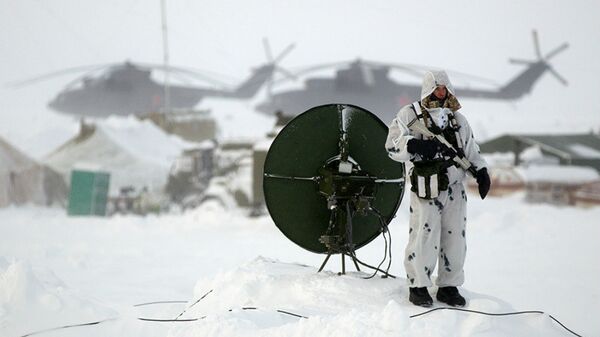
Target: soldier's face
{"points": [[440, 92]]}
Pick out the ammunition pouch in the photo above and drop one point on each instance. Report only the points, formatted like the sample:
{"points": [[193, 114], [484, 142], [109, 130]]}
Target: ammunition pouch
{"points": [[428, 178]]}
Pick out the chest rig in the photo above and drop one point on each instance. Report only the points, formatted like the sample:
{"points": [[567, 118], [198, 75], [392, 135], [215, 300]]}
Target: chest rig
{"points": [[429, 177], [451, 133]]}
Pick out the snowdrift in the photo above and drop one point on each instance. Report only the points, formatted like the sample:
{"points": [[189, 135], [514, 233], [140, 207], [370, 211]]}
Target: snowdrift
{"points": [[529, 257], [270, 298], [32, 301]]}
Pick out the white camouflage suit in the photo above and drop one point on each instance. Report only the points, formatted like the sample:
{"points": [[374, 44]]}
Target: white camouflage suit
{"points": [[437, 226]]}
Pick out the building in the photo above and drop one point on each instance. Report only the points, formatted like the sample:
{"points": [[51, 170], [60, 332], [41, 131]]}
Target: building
{"points": [[567, 149], [554, 184], [587, 195]]}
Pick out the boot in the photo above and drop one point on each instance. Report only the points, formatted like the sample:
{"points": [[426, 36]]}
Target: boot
{"points": [[420, 297], [450, 296]]}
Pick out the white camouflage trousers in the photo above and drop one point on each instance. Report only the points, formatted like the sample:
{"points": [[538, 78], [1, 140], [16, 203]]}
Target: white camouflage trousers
{"points": [[437, 235]]}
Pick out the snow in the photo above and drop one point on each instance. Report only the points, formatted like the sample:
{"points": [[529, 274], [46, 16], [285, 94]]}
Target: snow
{"points": [[521, 257], [375, 307], [135, 153], [499, 158], [56, 270], [263, 145], [144, 139], [558, 174], [585, 151], [40, 300]]}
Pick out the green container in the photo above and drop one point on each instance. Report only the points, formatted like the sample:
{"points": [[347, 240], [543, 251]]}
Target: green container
{"points": [[89, 193]]}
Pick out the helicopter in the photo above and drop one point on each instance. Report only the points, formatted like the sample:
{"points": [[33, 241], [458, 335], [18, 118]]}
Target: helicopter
{"points": [[368, 84], [129, 88]]}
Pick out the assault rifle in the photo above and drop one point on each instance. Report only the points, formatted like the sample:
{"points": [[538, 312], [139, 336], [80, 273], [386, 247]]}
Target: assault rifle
{"points": [[417, 125]]}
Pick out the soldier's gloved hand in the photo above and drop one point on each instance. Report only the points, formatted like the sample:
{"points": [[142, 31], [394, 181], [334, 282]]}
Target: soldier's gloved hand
{"points": [[483, 182], [425, 148]]}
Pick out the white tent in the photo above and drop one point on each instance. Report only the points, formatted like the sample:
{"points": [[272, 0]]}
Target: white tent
{"points": [[135, 153], [23, 180]]}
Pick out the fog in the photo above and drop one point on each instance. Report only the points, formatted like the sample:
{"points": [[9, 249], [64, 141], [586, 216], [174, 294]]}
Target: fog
{"points": [[225, 37], [125, 259]]}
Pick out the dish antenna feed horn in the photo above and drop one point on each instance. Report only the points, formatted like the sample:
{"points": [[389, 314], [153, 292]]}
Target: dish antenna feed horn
{"points": [[329, 184]]}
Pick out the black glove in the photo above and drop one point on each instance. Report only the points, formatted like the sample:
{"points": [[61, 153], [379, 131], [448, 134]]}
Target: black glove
{"points": [[483, 182], [425, 148]]}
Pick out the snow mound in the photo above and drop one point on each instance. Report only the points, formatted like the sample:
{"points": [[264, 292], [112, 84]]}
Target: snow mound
{"points": [[32, 301], [253, 299]]}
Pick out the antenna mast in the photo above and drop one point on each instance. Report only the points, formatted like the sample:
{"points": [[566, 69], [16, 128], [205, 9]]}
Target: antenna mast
{"points": [[167, 100]]}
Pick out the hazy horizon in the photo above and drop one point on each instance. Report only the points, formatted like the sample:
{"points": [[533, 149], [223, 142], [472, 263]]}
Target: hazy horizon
{"points": [[226, 37]]}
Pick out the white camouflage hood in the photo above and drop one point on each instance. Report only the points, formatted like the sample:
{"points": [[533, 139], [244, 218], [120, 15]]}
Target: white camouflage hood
{"points": [[432, 79]]}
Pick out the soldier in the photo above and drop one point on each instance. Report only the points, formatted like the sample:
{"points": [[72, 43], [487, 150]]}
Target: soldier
{"points": [[437, 199]]}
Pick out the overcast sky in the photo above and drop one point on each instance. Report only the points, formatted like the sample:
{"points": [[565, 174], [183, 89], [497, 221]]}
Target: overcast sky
{"points": [[225, 36]]}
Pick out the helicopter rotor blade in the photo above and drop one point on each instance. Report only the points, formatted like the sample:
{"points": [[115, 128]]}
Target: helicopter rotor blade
{"points": [[474, 78], [84, 76], [289, 75], [558, 76], [88, 68], [183, 78], [267, 48], [536, 45], [556, 51], [419, 71], [317, 67], [196, 74], [272, 64], [283, 54], [270, 89], [410, 69], [520, 61]]}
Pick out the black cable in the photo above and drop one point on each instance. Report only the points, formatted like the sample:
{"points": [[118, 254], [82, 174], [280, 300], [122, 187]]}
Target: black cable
{"points": [[496, 314], [200, 299], [390, 247], [69, 326], [374, 268], [159, 320], [386, 229], [385, 249], [291, 313], [246, 308], [158, 302]]}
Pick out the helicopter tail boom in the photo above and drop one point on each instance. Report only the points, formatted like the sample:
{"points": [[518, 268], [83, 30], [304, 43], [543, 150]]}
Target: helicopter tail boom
{"points": [[522, 84]]}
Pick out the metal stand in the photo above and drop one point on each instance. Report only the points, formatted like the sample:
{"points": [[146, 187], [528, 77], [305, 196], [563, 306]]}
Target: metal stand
{"points": [[341, 243], [343, 263], [348, 190]]}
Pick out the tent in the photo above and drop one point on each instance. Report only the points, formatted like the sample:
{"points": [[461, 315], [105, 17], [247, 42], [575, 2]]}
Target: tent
{"points": [[23, 180], [136, 153]]}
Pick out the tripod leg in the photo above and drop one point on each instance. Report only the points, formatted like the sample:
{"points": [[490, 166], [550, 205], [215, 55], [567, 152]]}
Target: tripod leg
{"points": [[343, 264], [325, 262]]}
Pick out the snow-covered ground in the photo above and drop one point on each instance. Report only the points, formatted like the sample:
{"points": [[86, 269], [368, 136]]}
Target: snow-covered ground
{"points": [[57, 271]]}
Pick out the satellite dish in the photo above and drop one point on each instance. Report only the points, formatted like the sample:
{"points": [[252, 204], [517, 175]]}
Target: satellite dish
{"points": [[329, 184]]}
